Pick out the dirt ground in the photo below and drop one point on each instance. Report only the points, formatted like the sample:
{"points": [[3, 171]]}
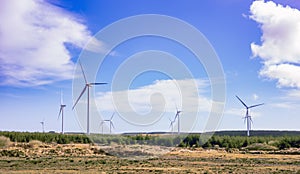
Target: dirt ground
{"points": [[76, 158]]}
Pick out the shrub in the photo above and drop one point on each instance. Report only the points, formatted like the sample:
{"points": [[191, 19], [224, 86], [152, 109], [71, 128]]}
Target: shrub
{"points": [[4, 142]]}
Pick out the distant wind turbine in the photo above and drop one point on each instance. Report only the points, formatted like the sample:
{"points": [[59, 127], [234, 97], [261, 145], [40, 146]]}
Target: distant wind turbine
{"points": [[101, 124], [177, 116], [86, 87], [248, 118], [43, 125], [172, 125], [61, 112], [110, 123]]}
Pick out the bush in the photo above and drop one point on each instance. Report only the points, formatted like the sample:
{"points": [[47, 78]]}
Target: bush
{"points": [[4, 142]]}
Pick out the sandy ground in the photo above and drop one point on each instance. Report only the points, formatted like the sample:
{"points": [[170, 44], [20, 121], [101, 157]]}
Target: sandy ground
{"points": [[85, 158]]}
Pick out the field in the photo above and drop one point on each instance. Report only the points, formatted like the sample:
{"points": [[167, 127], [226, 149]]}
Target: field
{"points": [[36, 156]]}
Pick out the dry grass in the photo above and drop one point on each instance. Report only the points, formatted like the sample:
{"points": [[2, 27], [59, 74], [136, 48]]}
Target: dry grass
{"points": [[35, 143], [4, 142], [86, 158]]}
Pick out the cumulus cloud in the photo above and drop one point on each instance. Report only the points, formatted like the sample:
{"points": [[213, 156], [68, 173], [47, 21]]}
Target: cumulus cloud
{"points": [[33, 39], [279, 49], [187, 94]]}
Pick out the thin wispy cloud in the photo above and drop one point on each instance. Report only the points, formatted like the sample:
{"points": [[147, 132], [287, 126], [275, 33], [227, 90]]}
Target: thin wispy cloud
{"points": [[279, 49], [33, 41], [240, 112]]}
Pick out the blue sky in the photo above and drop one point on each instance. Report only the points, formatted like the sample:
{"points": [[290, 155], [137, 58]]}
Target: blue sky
{"points": [[41, 41]]}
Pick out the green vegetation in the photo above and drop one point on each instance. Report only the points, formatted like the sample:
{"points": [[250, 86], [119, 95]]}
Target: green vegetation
{"points": [[46, 137], [225, 141], [264, 142]]}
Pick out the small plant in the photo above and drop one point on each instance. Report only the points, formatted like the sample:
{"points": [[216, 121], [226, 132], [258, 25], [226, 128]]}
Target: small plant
{"points": [[4, 142]]}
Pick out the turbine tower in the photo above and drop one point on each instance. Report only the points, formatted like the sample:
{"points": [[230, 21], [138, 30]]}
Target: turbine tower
{"points": [[248, 118], [86, 87], [110, 123], [61, 112]]}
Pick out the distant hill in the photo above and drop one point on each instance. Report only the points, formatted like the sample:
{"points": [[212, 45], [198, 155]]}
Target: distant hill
{"points": [[257, 133], [232, 133]]}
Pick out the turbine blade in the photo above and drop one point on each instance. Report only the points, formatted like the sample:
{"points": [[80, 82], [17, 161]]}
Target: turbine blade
{"points": [[83, 72], [245, 120], [98, 83], [82, 92], [112, 116], [251, 119], [112, 124], [256, 105], [241, 101], [59, 113], [176, 115], [250, 123]]}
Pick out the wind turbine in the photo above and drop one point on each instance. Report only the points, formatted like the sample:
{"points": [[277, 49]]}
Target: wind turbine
{"points": [[101, 124], [171, 125], [248, 118], [43, 125], [110, 123], [177, 116], [86, 87], [61, 112]]}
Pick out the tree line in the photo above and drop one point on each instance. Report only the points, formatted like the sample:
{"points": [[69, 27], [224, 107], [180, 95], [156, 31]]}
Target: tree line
{"points": [[190, 140]]}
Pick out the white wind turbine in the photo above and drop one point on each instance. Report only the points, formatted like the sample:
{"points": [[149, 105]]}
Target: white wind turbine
{"points": [[248, 118], [172, 125], [177, 116], [101, 124], [43, 125], [61, 112], [110, 123], [86, 87]]}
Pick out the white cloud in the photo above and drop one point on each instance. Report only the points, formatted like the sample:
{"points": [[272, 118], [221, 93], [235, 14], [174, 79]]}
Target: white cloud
{"points": [[240, 112], [33, 34], [187, 94], [235, 112], [285, 105], [286, 74], [280, 39]]}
